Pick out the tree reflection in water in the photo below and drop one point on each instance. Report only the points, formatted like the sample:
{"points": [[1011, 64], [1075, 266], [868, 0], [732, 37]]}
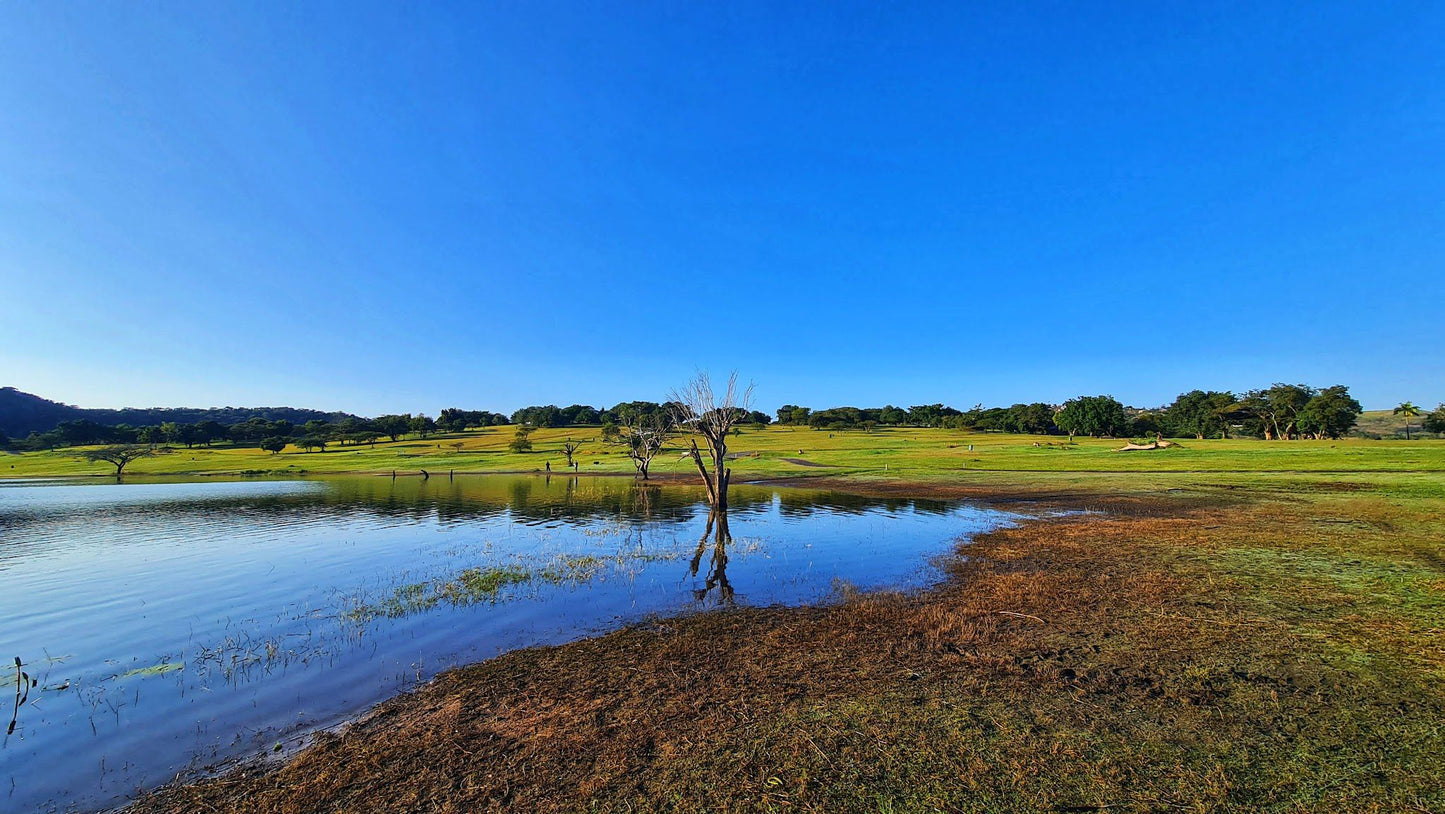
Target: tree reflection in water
{"points": [[717, 571]]}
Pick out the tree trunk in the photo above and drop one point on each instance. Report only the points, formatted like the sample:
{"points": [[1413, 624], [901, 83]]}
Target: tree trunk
{"points": [[702, 470]]}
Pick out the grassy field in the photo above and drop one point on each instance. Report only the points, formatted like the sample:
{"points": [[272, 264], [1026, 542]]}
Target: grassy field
{"points": [[891, 454]]}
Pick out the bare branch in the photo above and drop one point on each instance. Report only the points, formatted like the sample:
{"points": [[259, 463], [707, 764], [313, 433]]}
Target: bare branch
{"points": [[700, 409]]}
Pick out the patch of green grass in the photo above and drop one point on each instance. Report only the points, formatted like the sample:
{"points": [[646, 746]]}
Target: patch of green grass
{"points": [[900, 454], [154, 670]]}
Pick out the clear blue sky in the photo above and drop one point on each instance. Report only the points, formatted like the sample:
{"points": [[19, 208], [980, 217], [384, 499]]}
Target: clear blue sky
{"points": [[408, 206]]}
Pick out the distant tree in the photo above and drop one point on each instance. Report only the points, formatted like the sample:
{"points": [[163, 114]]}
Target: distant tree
{"points": [[452, 420], [644, 435], [80, 432], [1275, 411], [120, 455], [392, 426], [1409, 411], [4, 440], [1093, 416], [569, 448], [547, 415], [311, 442], [423, 425], [1147, 423], [793, 414], [351, 430], [521, 442], [1435, 421], [1330, 413], [208, 432], [1036, 418], [610, 433], [1198, 413], [759, 418], [892, 415], [274, 444], [580, 414]]}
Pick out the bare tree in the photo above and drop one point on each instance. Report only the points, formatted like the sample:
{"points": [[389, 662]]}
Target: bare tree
{"points": [[644, 436], [697, 408], [120, 455], [569, 448]]}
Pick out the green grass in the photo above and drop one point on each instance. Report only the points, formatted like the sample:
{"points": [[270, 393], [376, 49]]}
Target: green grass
{"points": [[892, 454]]}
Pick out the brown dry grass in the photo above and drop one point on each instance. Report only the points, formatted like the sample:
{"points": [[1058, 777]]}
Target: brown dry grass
{"points": [[1134, 661]]}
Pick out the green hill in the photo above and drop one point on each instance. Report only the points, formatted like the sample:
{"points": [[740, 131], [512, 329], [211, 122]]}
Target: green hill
{"points": [[1386, 424]]}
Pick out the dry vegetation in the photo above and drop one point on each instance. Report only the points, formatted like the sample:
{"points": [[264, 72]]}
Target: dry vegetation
{"points": [[1217, 648]]}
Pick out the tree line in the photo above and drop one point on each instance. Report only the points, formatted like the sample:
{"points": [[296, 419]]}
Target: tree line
{"points": [[1280, 411], [259, 432]]}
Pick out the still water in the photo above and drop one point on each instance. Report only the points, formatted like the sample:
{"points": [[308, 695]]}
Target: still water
{"points": [[164, 627]]}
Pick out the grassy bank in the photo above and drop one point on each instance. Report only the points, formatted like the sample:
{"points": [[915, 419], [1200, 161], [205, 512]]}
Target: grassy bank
{"points": [[893, 454], [1223, 642]]}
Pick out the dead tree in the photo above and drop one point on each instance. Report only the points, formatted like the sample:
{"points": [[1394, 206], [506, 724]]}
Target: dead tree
{"points": [[644, 437], [569, 448], [700, 410]]}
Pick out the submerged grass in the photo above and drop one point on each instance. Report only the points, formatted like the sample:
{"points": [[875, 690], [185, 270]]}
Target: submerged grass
{"points": [[471, 586], [1249, 644]]}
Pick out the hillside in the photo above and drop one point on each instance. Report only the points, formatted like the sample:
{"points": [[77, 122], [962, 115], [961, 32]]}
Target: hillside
{"points": [[23, 413], [1386, 424]]}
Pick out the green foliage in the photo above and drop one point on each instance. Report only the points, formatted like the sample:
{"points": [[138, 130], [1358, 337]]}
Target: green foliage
{"points": [[1199, 414], [521, 442], [423, 425], [312, 442], [392, 426], [273, 444], [1409, 411], [119, 454], [793, 414], [1330, 413], [1093, 416], [1274, 412], [1435, 421]]}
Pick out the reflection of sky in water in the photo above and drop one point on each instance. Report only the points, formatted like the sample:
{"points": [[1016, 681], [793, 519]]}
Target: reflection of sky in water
{"points": [[248, 592]]}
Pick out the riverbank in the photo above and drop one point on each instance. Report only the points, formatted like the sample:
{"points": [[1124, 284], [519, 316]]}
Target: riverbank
{"points": [[1250, 643]]}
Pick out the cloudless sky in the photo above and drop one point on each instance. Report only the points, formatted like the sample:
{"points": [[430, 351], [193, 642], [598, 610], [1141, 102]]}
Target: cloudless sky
{"points": [[408, 206]]}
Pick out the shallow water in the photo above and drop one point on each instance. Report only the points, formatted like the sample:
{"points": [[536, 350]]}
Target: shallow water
{"points": [[170, 626]]}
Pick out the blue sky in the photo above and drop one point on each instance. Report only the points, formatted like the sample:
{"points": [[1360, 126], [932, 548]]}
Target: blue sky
{"points": [[408, 206]]}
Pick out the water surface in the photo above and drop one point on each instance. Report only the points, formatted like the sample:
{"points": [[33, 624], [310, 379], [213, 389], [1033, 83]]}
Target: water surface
{"points": [[169, 626]]}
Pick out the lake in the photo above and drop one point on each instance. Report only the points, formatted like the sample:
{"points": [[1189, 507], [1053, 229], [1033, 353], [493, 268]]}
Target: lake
{"points": [[167, 627]]}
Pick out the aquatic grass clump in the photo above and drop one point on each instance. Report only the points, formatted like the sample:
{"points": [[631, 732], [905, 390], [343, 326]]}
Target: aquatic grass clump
{"points": [[479, 584], [476, 584]]}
